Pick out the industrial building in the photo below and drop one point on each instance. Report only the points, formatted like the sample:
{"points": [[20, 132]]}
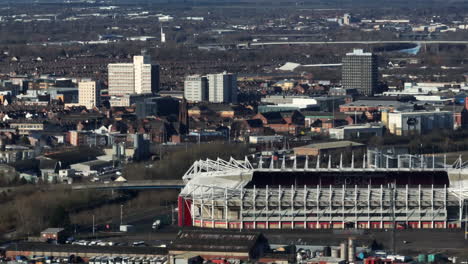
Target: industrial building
{"points": [[276, 194], [93, 165], [357, 131], [246, 246], [419, 122]]}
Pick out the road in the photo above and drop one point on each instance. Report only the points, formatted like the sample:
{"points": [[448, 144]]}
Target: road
{"points": [[450, 242], [462, 42]]}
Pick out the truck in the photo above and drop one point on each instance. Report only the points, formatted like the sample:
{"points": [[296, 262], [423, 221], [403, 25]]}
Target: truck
{"points": [[126, 228]]}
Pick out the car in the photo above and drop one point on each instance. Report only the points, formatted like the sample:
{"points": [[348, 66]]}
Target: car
{"points": [[138, 243]]}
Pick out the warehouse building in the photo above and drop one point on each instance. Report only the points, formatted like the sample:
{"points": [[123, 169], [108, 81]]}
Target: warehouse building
{"points": [[357, 131], [246, 246], [419, 122]]}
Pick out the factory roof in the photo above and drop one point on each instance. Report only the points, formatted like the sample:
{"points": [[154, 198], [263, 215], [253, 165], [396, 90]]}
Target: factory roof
{"points": [[210, 241]]}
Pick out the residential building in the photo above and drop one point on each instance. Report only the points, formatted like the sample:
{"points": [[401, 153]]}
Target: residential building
{"points": [[324, 120], [419, 122], [139, 77], [360, 71], [88, 94], [27, 127], [196, 88], [86, 138], [222, 88], [282, 122]]}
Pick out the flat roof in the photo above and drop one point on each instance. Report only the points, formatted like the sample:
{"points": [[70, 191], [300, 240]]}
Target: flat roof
{"points": [[94, 162], [53, 230], [215, 241], [332, 145], [375, 103]]}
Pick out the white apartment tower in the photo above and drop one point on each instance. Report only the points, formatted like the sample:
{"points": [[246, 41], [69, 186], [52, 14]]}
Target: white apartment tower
{"points": [[139, 77], [347, 19], [222, 88], [163, 36], [196, 88], [88, 94]]}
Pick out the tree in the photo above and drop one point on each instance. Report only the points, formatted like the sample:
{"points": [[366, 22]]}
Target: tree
{"points": [[60, 217]]}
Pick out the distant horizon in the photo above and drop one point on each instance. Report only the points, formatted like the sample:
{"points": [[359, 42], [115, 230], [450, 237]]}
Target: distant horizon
{"points": [[298, 3]]}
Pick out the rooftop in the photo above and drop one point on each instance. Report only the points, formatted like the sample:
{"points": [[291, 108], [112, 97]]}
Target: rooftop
{"points": [[333, 145], [210, 241], [53, 230], [46, 247], [95, 162], [358, 52], [376, 103]]}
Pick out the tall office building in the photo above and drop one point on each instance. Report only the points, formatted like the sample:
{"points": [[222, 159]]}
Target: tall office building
{"points": [[196, 88], [139, 77], [222, 88], [88, 94], [360, 72]]}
